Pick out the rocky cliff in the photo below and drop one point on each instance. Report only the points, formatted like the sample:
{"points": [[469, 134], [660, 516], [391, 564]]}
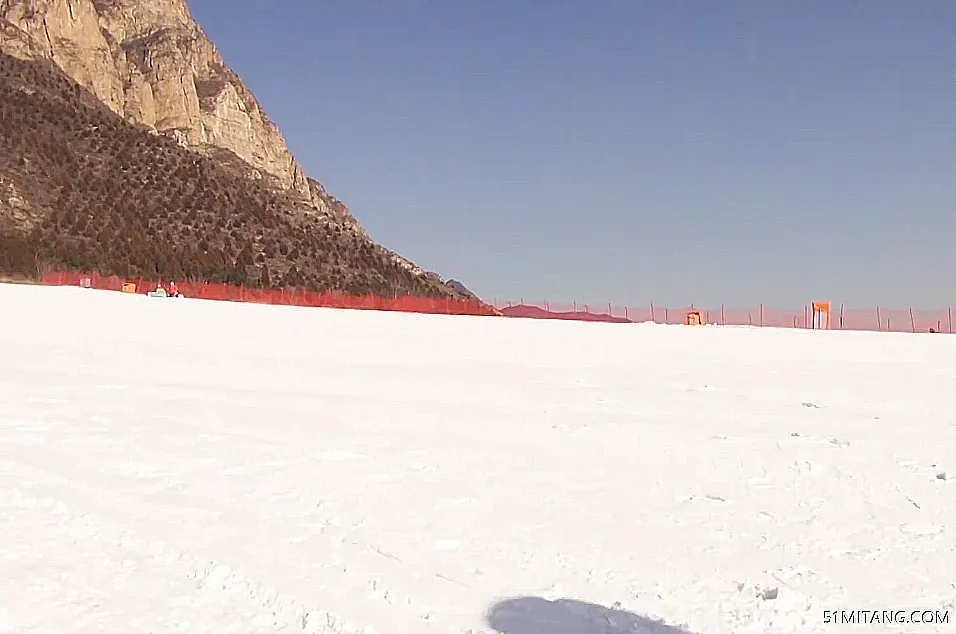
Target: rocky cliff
{"points": [[149, 62]]}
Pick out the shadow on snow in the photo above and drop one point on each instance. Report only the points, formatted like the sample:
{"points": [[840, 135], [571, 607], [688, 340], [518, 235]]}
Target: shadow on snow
{"points": [[535, 615]]}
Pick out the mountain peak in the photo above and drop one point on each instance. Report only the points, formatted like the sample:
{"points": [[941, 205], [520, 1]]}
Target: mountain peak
{"points": [[131, 147]]}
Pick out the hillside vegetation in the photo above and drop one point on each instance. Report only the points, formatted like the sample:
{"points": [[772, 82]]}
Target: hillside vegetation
{"points": [[81, 188]]}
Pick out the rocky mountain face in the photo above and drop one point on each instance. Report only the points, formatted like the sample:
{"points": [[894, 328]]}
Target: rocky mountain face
{"points": [[150, 63]]}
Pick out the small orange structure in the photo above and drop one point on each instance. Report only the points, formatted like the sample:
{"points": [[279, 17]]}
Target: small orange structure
{"points": [[129, 287], [821, 315], [693, 317]]}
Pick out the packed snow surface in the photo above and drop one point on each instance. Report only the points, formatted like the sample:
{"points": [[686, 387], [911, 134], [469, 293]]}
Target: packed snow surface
{"points": [[177, 465]]}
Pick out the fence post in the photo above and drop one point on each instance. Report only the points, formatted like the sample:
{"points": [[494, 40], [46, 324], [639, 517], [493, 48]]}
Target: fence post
{"points": [[761, 315], [841, 316], [652, 313], [609, 311], [912, 320], [723, 318], [950, 313], [879, 320], [626, 316]]}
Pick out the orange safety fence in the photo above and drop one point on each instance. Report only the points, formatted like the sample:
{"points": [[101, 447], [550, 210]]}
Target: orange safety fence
{"points": [[286, 297], [842, 318], [873, 319]]}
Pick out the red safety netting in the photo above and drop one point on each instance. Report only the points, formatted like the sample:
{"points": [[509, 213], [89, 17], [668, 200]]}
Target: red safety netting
{"points": [[841, 318], [287, 297]]}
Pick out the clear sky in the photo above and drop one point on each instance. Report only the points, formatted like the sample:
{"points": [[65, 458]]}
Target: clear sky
{"points": [[730, 152]]}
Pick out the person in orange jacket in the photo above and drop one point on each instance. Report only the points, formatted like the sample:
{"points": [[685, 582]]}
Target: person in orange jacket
{"points": [[173, 291]]}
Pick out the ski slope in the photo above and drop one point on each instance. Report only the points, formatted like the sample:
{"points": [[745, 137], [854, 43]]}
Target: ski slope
{"points": [[208, 467]]}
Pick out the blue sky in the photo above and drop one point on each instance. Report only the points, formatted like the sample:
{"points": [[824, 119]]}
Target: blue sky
{"points": [[731, 152]]}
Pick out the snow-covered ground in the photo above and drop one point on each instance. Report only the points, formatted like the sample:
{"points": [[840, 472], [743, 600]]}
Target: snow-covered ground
{"points": [[190, 466]]}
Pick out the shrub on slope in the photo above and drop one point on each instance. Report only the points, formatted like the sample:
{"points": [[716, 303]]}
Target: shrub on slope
{"points": [[81, 188]]}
